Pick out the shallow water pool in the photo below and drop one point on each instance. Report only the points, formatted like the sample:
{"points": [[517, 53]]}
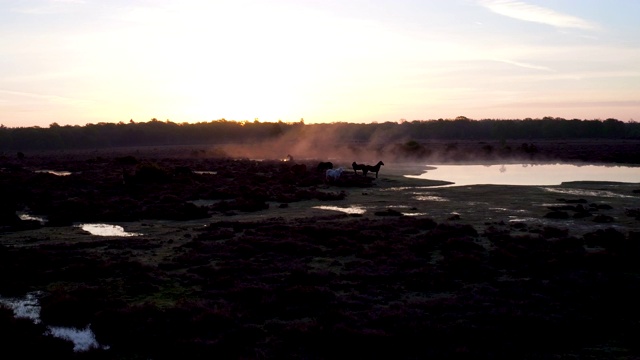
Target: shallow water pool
{"points": [[528, 174], [106, 230], [28, 307], [55, 172]]}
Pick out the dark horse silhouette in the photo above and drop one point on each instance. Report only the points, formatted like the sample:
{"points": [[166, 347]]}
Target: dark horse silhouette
{"points": [[366, 168], [375, 168], [322, 166], [299, 169], [357, 167]]}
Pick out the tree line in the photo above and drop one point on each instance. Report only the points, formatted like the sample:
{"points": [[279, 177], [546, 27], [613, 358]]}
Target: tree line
{"points": [[160, 133]]}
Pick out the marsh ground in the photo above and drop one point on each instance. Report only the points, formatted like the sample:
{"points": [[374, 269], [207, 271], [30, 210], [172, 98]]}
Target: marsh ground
{"points": [[397, 268]]}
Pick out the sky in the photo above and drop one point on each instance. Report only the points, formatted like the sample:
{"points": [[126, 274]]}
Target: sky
{"points": [[75, 62]]}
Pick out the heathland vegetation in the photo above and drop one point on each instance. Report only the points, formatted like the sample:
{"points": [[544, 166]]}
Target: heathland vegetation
{"points": [[243, 252], [161, 133], [234, 260]]}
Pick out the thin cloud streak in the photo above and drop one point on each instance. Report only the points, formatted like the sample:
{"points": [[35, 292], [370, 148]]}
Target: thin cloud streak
{"points": [[571, 104], [50, 98], [523, 65], [50, 7], [526, 12]]}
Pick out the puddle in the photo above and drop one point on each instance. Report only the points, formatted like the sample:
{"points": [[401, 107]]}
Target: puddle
{"points": [[202, 202], [83, 339], [406, 213], [29, 308], [524, 219], [477, 203], [206, 172], [25, 308], [576, 227], [508, 210], [360, 210], [585, 192], [55, 172], [404, 188], [31, 217], [426, 197], [106, 230], [347, 210]]}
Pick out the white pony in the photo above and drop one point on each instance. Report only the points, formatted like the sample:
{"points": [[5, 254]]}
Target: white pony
{"points": [[334, 173]]}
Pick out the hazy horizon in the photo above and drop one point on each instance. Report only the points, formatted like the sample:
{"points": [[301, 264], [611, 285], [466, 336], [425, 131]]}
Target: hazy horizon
{"points": [[75, 62]]}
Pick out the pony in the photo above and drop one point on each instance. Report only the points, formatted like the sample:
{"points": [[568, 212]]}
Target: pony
{"points": [[299, 169], [375, 168], [357, 167], [334, 173], [322, 166]]}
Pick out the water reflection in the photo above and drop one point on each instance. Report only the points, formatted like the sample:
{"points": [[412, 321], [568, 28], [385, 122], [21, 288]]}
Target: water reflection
{"points": [[528, 174], [358, 210], [55, 172], [29, 308], [41, 220], [203, 202], [83, 339], [429, 197], [106, 230], [402, 188], [26, 308], [585, 192], [410, 211], [348, 210]]}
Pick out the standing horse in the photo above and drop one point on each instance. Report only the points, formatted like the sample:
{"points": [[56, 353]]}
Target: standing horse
{"points": [[333, 173], [299, 169], [374, 168], [322, 166], [357, 167]]}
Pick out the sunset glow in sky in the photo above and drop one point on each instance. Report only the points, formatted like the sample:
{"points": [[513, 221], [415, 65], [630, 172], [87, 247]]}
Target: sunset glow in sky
{"points": [[89, 61]]}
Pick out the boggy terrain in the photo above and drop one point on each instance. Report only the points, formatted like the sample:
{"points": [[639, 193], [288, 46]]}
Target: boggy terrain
{"points": [[239, 258]]}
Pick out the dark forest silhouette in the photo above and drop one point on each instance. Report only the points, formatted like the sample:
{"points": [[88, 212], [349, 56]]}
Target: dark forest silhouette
{"points": [[160, 133]]}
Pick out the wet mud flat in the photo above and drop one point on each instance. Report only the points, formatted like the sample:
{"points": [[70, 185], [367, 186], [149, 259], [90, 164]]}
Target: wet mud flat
{"points": [[251, 259]]}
